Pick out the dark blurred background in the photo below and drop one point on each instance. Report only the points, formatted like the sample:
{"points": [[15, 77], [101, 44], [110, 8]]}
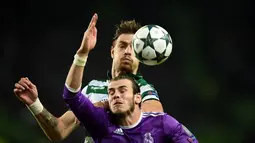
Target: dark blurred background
{"points": [[207, 83]]}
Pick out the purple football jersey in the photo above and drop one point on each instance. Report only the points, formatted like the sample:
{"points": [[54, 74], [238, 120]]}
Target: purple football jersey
{"points": [[152, 127]]}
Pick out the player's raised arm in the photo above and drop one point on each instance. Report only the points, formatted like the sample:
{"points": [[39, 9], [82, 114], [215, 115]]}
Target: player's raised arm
{"points": [[84, 110], [74, 77], [176, 132], [54, 128], [59, 128]]}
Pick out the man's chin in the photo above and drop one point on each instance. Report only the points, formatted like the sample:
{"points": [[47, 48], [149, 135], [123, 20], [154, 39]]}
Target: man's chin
{"points": [[126, 68], [118, 111]]}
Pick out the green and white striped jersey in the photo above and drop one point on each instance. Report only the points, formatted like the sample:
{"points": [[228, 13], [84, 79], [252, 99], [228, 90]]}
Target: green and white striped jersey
{"points": [[96, 90]]}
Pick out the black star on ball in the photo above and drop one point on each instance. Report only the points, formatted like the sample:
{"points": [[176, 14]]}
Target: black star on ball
{"points": [[148, 41]]}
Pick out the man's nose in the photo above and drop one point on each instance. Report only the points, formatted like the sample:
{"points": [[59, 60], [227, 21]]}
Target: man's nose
{"points": [[116, 96], [129, 49]]}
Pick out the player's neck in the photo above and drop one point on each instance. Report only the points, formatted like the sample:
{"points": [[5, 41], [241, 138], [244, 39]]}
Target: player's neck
{"points": [[115, 72], [131, 120]]}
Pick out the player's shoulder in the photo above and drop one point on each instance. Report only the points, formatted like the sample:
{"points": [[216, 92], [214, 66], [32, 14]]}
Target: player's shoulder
{"points": [[153, 118], [161, 117]]}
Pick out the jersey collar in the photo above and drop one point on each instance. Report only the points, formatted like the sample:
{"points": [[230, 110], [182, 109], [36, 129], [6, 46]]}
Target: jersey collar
{"points": [[135, 76], [134, 125]]}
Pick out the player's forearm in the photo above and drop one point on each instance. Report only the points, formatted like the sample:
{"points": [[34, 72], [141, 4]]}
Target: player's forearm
{"points": [[75, 74], [51, 126], [152, 106]]}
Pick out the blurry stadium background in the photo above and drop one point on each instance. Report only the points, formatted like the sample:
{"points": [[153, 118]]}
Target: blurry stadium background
{"points": [[207, 83]]}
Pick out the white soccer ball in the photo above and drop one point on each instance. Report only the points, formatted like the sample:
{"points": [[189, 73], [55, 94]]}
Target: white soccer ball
{"points": [[152, 45]]}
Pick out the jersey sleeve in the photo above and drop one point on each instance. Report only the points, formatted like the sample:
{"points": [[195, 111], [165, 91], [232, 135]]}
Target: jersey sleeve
{"points": [[148, 92], [94, 119], [176, 132]]}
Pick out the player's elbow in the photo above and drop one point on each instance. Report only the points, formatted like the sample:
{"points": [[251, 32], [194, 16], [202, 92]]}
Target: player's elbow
{"points": [[59, 133], [56, 137], [53, 139]]}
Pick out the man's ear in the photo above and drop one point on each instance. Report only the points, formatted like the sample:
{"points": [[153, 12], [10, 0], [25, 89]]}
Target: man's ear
{"points": [[112, 52], [138, 98]]}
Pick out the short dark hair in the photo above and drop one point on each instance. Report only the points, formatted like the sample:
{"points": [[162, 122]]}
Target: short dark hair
{"points": [[126, 27], [135, 86]]}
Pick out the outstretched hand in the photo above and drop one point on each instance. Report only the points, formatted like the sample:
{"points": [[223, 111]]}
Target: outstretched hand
{"points": [[90, 37], [26, 91]]}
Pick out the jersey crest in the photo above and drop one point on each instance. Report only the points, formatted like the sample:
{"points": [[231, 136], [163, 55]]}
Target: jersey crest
{"points": [[148, 138]]}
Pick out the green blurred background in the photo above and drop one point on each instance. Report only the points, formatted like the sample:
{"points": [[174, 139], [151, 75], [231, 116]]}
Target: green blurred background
{"points": [[207, 83]]}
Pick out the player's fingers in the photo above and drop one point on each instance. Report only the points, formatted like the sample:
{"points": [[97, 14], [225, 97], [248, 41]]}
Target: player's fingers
{"points": [[19, 86], [90, 23], [27, 81], [17, 91], [23, 83], [94, 32], [31, 85], [93, 21], [32, 88], [106, 104]]}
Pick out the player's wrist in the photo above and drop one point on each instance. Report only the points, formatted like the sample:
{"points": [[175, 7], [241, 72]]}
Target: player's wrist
{"points": [[82, 54], [80, 59], [36, 107]]}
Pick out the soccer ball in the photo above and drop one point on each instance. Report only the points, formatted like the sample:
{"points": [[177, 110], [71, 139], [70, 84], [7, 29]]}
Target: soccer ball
{"points": [[152, 45]]}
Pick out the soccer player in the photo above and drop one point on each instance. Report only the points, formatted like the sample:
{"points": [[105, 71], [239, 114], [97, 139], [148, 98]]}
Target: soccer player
{"points": [[124, 61], [125, 122]]}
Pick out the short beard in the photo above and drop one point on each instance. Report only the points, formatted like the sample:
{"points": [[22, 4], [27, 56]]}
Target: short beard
{"points": [[124, 69], [117, 117]]}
